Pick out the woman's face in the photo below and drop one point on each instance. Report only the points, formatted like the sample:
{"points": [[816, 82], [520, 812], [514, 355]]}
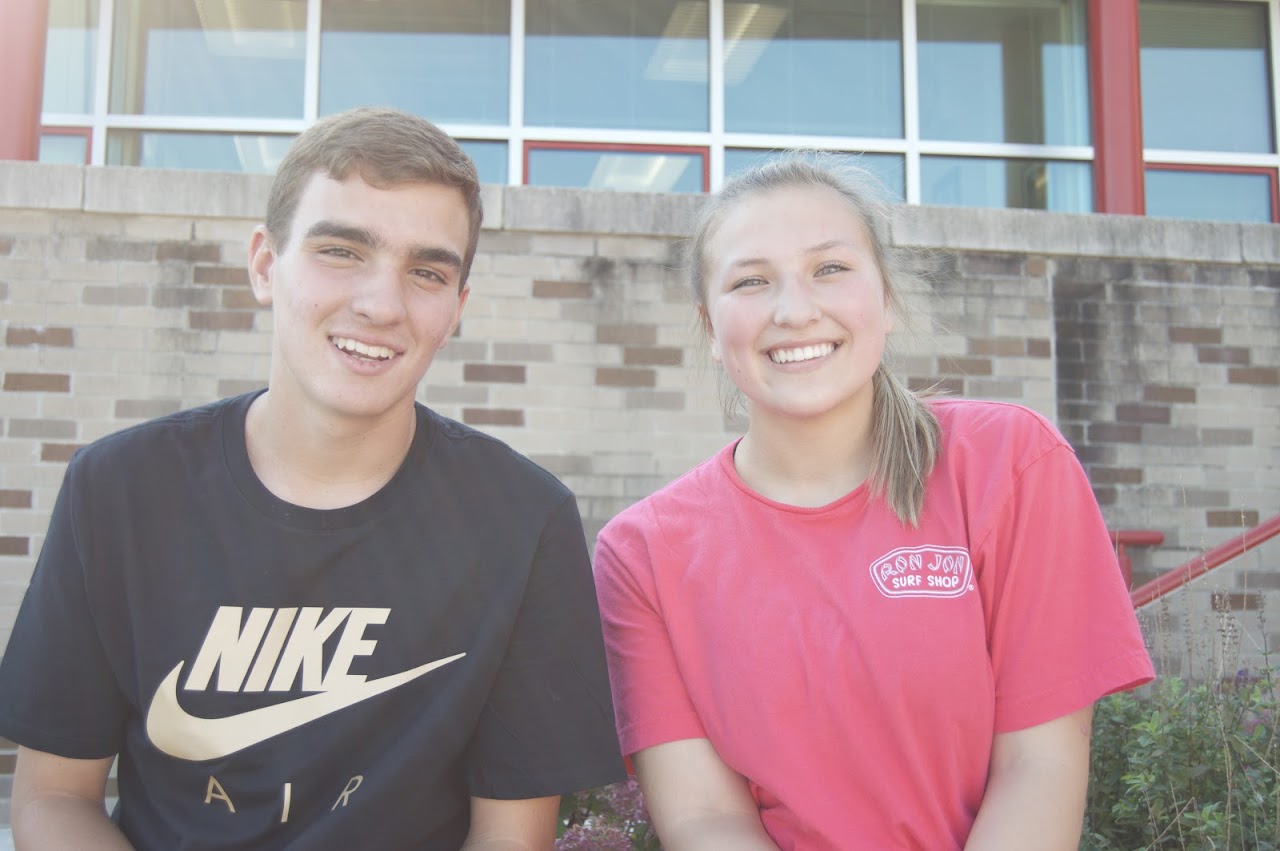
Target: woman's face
{"points": [[795, 304]]}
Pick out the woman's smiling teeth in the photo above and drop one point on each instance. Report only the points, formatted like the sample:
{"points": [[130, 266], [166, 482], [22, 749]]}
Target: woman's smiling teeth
{"points": [[356, 347], [801, 353]]}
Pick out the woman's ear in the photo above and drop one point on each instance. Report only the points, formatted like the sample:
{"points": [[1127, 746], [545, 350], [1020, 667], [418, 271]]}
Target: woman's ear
{"points": [[262, 258], [713, 344]]}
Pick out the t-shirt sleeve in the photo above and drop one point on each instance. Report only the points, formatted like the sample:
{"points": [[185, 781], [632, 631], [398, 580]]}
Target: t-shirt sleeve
{"points": [[57, 691], [650, 695], [547, 726], [1060, 627]]}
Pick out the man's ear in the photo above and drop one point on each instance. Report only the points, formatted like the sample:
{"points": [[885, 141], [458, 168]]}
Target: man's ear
{"points": [[262, 259], [457, 316]]}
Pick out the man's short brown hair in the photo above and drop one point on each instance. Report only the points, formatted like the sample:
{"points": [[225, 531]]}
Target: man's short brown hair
{"points": [[387, 148]]}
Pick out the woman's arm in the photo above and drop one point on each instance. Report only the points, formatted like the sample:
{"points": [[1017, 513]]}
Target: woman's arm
{"points": [[1036, 787], [696, 802]]}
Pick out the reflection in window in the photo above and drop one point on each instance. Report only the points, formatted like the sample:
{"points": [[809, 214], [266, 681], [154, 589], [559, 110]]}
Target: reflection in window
{"points": [[247, 152], [208, 57], [617, 65], [445, 60], [68, 148], [1028, 184], [625, 171], [815, 67], [1205, 77], [1004, 72], [490, 159], [70, 56], [886, 170], [1209, 195]]}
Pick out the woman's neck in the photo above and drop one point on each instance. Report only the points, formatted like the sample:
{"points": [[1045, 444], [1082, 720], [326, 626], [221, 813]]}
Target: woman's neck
{"points": [[806, 463]]}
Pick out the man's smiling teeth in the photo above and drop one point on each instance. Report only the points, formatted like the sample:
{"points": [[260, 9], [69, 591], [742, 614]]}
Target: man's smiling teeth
{"points": [[802, 353], [359, 348]]}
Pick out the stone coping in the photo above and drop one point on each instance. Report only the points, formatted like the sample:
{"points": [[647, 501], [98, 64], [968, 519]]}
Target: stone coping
{"points": [[205, 194]]}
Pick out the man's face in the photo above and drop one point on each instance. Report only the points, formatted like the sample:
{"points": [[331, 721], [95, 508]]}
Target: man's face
{"points": [[363, 295]]}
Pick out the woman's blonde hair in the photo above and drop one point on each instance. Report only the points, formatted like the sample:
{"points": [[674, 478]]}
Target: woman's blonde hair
{"points": [[905, 433]]}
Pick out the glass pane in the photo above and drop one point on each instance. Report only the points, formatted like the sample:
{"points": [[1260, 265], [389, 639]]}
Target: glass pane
{"points": [[490, 159], [70, 148], [259, 154], [1215, 196], [616, 64], [70, 56], [626, 171], [993, 71], [886, 169], [784, 63], [1029, 184], [1205, 77], [445, 60], [194, 57]]}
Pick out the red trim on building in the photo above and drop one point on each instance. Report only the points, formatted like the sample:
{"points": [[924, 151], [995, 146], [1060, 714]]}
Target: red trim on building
{"points": [[22, 42], [1115, 86], [85, 132], [696, 150], [1269, 173]]}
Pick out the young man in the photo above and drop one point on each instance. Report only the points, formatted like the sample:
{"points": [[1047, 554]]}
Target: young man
{"points": [[321, 615]]}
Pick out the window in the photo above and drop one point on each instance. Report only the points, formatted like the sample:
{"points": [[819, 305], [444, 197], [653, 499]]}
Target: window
{"points": [[216, 151], [208, 58], [814, 67], [1205, 77], [1024, 183], [634, 65], [441, 59], [490, 159], [70, 57], [65, 145], [1231, 195], [1004, 72], [885, 169], [626, 168]]}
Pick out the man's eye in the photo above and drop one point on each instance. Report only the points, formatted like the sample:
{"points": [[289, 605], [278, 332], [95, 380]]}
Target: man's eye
{"points": [[428, 275], [338, 252]]}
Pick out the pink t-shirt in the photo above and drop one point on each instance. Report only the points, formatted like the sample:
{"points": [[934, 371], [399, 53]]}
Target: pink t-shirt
{"points": [[854, 670]]}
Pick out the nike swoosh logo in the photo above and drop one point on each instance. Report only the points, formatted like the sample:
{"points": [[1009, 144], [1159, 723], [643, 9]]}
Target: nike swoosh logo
{"points": [[176, 732]]}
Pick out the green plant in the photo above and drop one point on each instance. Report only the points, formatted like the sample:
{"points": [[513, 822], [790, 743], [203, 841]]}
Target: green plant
{"points": [[1187, 766]]}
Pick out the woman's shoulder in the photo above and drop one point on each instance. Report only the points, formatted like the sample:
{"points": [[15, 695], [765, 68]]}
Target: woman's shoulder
{"points": [[982, 422], [684, 500]]}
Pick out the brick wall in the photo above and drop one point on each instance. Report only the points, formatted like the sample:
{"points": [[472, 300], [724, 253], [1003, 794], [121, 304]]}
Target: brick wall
{"points": [[1154, 345]]}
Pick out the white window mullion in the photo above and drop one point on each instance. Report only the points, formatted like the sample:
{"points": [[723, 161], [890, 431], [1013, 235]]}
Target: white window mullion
{"points": [[102, 83], [311, 64], [1273, 47], [515, 104], [911, 101], [715, 89]]}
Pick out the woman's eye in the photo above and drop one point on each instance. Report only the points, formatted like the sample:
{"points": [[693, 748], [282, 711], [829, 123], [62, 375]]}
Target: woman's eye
{"points": [[830, 268], [747, 282]]}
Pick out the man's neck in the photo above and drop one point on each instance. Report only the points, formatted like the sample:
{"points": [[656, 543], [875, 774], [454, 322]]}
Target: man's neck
{"points": [[324, 462]]}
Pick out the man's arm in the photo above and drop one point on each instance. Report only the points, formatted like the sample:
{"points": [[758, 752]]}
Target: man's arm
{"points": [[520, 825], [58, 804], [696, 802], [1036, 787]]}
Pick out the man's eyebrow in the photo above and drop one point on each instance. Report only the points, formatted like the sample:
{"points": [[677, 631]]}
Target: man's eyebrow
{"points": [[337, 230], [429, 254], [326, 229]]}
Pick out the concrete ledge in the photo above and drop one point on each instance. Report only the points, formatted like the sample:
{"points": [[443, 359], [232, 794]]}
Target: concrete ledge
{"points": [[173, 192], [41, 185], [160, 192], [587, 211]]}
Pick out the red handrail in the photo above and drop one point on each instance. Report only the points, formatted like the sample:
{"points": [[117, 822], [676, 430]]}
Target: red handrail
{"points": [[1124, 538], [1202, 564]]}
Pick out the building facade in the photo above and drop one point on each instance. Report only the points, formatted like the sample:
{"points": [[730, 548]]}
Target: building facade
{"points": [[1166, 107]]}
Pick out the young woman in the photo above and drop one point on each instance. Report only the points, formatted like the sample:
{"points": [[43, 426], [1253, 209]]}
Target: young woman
{"points": [[875, 621]]}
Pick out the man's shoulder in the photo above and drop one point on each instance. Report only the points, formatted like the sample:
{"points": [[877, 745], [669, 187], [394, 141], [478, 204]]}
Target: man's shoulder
{"points": [[146, 442]]}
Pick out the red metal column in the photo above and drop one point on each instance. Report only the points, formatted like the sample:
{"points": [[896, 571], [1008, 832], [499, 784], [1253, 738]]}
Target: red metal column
{"points": [[1116, 88], [22, 40]]}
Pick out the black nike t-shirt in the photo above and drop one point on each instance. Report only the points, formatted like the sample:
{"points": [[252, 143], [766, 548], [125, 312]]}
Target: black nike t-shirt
{"points": [[279, 676]]}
